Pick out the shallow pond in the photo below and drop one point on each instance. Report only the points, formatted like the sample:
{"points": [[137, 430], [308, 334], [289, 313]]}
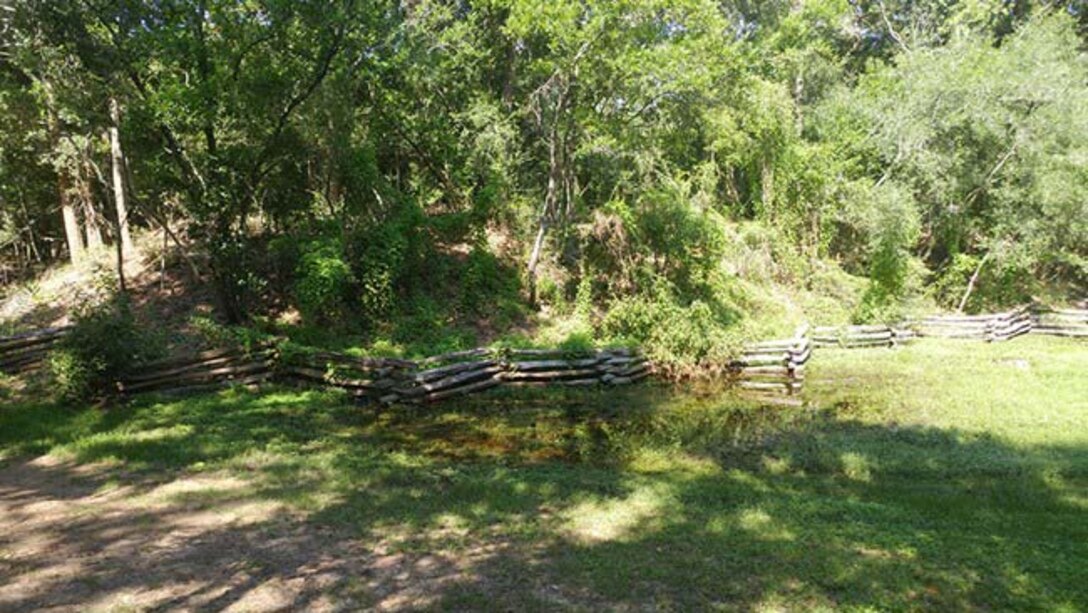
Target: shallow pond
{"points": [[599, 425]]}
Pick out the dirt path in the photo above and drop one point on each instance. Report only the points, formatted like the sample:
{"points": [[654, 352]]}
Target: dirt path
{"points": [[84, 538]]}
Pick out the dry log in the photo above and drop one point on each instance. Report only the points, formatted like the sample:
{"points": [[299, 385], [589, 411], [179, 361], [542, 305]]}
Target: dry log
{"points": [[223, 372], [983, 318], [214, 385], [147, 374], [324, 359], [35, 337], [1015, 327], [628, 380], [458, 391], [633, 370], [764, 355], [781, 344], [25, 366], [953, 333], [29, 350], [1071, 312], [553, 364], [835, 332], [445, 371], [449, 382], [801, 357], [551, 375], [758, 385], [479, 352], [20, 359], [965, 325], [1061, 332], [184, 360], [310, 374], [624, 360], [761, 361]]}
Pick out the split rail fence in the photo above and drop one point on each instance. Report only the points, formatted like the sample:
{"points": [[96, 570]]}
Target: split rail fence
{"points": [[25, 352], [853, 337], [775, 366], [466, 372], [991, 327]]}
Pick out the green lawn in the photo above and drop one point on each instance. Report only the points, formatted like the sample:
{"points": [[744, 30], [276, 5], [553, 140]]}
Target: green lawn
{"points": [[941, 475]]}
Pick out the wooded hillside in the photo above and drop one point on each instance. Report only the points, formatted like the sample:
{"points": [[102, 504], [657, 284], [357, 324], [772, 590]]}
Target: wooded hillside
{"points": [[649, 166]]}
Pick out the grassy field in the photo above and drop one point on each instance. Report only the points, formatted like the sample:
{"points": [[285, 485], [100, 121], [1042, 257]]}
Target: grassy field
{"points": [[939, 476]]}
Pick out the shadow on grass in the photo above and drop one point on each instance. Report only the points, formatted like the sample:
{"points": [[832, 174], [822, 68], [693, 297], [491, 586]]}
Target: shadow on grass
{"points": [[300, 500]]}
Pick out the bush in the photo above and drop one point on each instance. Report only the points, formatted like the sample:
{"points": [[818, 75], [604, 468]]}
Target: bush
{"points": [[102, 346], [324, 281], [672, 333], [486, 283], [381, 256]]}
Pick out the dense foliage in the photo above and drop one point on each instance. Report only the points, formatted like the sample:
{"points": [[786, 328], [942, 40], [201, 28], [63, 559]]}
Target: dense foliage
{"points": [[626, 161], [103, 344]]}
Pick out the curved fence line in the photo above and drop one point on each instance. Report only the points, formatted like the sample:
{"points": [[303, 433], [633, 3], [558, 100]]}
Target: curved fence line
{"points": [[27, 351], [771, 366], [776, 366]]}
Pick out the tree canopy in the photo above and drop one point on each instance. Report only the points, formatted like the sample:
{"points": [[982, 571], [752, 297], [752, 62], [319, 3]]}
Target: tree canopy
{"points": [[615, 153]]}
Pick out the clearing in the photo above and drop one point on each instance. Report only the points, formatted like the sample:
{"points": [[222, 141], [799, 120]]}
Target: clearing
{"points": [[941, 475]]}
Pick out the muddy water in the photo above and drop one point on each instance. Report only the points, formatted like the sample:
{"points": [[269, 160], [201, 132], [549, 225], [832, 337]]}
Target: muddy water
{"points": [[598, 426]]}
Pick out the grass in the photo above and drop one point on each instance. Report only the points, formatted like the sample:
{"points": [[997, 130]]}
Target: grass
{"points": [[941, 475]]}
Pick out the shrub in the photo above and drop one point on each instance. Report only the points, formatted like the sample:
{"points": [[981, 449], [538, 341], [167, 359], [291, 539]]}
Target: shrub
{"points": [[102, 345], [324, 281], [486, 283], [671, 332], [381, 256]]}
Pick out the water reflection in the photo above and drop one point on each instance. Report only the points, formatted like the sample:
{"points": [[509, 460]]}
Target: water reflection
{"points": [[589, 425]]}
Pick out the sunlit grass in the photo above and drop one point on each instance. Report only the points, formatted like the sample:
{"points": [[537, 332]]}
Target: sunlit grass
{"points": [[940, 475]]}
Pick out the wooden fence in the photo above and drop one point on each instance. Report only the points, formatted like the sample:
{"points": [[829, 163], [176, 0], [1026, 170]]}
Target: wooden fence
{"points": [[392, 380], [768, 366], [775, 365], [1061, 322], [25, 352], [209, 369], [990, 327], [852, 337]]}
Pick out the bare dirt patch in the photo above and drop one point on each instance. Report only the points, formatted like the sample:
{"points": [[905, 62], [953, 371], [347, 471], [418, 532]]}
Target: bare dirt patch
{"points": [[77, 538]]}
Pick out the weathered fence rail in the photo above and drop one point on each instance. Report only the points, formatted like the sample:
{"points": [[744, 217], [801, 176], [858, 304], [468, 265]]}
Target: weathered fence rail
{"points": [[1061, 322], [775, 365], [851, 337], [990, 327], [202, 370], [27, 351], [391, 380]]}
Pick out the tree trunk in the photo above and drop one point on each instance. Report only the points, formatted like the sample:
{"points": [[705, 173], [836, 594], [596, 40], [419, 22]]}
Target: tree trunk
{"points": [[534, 259], [91, 221], [971, 283], [32, 239], [71, 221], [548, 212], [117, 159]]}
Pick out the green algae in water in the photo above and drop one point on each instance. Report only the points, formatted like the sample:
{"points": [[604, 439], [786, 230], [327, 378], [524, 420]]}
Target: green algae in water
{"points": [[592, 425]]}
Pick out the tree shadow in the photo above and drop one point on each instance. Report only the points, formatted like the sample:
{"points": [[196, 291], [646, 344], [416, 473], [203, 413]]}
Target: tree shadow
{"points": [[313, 503]]}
